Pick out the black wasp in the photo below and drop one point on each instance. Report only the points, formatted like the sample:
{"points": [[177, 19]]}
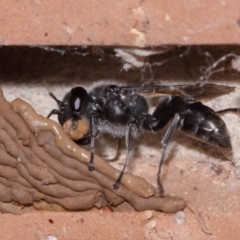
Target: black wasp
{"points": [[123, 112]]}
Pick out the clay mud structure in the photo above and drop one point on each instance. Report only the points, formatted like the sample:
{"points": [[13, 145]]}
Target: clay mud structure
{"points": [[42, 168]]}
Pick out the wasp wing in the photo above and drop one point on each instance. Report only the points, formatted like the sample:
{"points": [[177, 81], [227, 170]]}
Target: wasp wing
{"points": [[200, 91]]}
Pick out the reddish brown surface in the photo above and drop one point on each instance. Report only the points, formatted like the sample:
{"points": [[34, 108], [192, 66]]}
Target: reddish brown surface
{"points": [[106, 22], [213, 212]]}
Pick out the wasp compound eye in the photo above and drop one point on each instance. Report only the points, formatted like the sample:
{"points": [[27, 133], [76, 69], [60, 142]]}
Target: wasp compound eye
{"points": [[78, 96]]}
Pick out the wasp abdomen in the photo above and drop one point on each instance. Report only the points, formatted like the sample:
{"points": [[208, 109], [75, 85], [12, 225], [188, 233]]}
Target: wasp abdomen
{"points": [[196, 120], [201, 122]]}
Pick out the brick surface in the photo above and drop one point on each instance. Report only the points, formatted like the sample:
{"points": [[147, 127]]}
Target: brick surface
{"points": [[106, 22]]}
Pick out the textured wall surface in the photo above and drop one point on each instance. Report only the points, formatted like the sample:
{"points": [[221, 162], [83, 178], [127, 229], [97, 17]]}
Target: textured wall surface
{"points": [[105, 22], [193, 170]]}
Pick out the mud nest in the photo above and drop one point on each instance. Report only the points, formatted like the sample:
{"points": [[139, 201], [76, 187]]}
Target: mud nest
{"points": [[41, 168]]}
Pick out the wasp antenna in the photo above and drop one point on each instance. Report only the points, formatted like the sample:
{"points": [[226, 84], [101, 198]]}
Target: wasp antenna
{"points": [[60, 103]]}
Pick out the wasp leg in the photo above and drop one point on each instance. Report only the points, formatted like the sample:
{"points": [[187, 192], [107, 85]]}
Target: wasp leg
{"points": [[236, 110], [93, 133], [54, 111], [171, 129], [128, 145]]}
